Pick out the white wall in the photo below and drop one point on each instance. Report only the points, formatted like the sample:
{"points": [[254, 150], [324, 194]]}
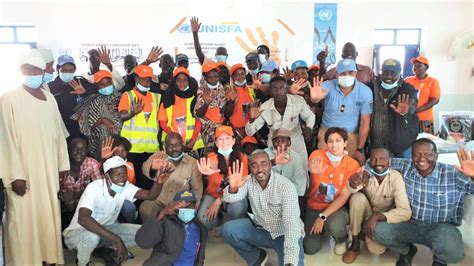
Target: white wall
{"points": [[67, 23]]}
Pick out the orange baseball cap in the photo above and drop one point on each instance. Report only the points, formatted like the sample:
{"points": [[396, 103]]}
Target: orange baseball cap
{"points": [[99, 75], [224, 129], [313, 67], [180, 70], [235, 68], [420, 59], [209, 66], [144, 71], [248, 139], [221, 63]]}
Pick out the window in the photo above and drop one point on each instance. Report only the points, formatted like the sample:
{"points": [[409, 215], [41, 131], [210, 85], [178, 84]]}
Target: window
{"points": [[400, 44]]}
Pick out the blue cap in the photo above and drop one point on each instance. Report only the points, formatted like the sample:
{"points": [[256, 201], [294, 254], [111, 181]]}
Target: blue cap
{"points": [[346, 65], [181, 57], [185, 195], [392, 65], [298, 64], [65, 59], [269, 66]]}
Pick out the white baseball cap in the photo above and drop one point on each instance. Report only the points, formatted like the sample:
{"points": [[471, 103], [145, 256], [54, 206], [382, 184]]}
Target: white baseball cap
{"points": [[114, 162]]}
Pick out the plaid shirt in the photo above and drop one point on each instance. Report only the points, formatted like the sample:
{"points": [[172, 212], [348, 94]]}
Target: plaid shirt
{"points": [[437, 198], [89, 171], [275, 209]]}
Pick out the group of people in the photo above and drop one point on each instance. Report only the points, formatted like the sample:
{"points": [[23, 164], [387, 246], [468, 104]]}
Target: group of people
{"points": [[268, 158]]}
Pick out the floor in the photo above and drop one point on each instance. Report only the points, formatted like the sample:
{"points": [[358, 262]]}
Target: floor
{"points": [[218, 253]]}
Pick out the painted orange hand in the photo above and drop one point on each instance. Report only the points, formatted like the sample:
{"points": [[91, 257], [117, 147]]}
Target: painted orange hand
{"points": [[274, 50]]}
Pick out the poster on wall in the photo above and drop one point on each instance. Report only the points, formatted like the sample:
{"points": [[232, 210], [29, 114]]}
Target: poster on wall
{"points": [[325, 29]]}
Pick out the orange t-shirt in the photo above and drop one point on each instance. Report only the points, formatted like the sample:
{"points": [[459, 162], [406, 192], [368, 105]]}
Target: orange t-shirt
{"points": [[131, 173], [147, 101], [178, 119], [317, 197], [427, 88], [241, 114], [214, 181]]}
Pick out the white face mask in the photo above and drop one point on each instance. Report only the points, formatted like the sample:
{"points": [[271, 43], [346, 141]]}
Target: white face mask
{"points": [[345, 81], [262, 58]]}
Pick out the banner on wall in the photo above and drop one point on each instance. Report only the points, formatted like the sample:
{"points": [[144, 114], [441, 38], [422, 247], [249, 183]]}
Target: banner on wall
{"points": [[325, 29]]}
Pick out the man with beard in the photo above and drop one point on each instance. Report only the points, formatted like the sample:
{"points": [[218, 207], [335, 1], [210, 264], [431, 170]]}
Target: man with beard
{"points": [[275, 223], [436, 192], [378, 194], [394, 122]]}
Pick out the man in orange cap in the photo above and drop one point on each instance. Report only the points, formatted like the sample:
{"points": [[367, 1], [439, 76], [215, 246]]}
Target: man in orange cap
{"points": [[428, 90], [240, 97], [210, 103], [138, 110]]}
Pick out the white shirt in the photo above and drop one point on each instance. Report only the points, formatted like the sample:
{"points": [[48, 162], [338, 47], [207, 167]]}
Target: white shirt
{"points": [[105, 208]]}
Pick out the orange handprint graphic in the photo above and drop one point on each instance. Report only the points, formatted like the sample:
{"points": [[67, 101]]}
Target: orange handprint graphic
{"points": [[274, 50]]}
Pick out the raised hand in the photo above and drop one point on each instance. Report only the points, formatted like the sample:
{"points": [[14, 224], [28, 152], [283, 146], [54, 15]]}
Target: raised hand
{"points": [[195, 25], [316, 91], [154, 55], [231, 93], [323, 55], [255, 111], [236, 178], [358, 179], [316, 166], [104, 55], [403, 105], [158, 160], [287, 74], [77, 87], [256, 82], [107, 151], [295, 88], [205, 167], [137, 106], [466, 162], [282, 156]]}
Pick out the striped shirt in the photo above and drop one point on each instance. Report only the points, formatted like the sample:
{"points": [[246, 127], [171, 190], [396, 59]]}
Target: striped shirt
{"points": [[275, 209], [438, 197]]}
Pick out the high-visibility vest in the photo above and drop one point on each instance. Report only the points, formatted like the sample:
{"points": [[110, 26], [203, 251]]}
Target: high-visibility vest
{"points": [[142, 134], [190, 123]]}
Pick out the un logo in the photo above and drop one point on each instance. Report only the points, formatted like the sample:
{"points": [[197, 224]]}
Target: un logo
{"points": [[325, 14], [185, 28]]}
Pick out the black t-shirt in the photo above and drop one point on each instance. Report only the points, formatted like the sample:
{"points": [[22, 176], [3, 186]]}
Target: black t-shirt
{"points": [[68, 101]]}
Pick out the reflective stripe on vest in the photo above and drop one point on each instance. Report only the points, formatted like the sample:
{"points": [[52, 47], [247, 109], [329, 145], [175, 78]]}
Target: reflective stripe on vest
{"points": [[190, 123], [141, 133]]}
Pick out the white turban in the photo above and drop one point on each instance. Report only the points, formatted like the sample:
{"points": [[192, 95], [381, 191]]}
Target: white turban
{"points": [[47, 55], [33, 58]]}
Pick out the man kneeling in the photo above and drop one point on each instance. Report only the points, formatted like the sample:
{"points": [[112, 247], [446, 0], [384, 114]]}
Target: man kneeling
{"points": [[174, 235], [95, 221]]}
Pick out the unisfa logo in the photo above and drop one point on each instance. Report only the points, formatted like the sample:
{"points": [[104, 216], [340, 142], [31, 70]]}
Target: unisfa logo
{"points": [[216, 28]]}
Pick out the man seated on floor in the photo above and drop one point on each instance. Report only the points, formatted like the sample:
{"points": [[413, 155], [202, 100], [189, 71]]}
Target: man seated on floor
{"points": [[174, 235], [378, 194], [276, 223], [436, 192], [95, 222]]}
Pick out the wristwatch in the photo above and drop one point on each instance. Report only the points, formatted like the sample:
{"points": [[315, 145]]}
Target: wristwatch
{"points": [[361, 150], [322, 216]]}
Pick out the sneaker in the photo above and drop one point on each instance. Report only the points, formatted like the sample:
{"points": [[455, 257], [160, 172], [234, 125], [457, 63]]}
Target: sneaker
{"points": [[340, 248], [263, 258], [405, 260]]}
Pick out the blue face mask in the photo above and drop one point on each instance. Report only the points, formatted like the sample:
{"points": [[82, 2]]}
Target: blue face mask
{"points": [[116, 188], [333, 158], [372, 171], [33, 82], [213, 86], [225, 153], [240, 84], [386, 86], [47, 77], [142, 88], [177, 158], [66, 77], [221, 58], [266, 78], [253, 71], [186, 215], [107, 90]]}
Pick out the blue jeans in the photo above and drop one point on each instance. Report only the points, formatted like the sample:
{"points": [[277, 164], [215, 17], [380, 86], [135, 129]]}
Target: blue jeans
{"points": [[235, 210], [444, 239], [406, 154], [248, 240], [127, 213]]}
